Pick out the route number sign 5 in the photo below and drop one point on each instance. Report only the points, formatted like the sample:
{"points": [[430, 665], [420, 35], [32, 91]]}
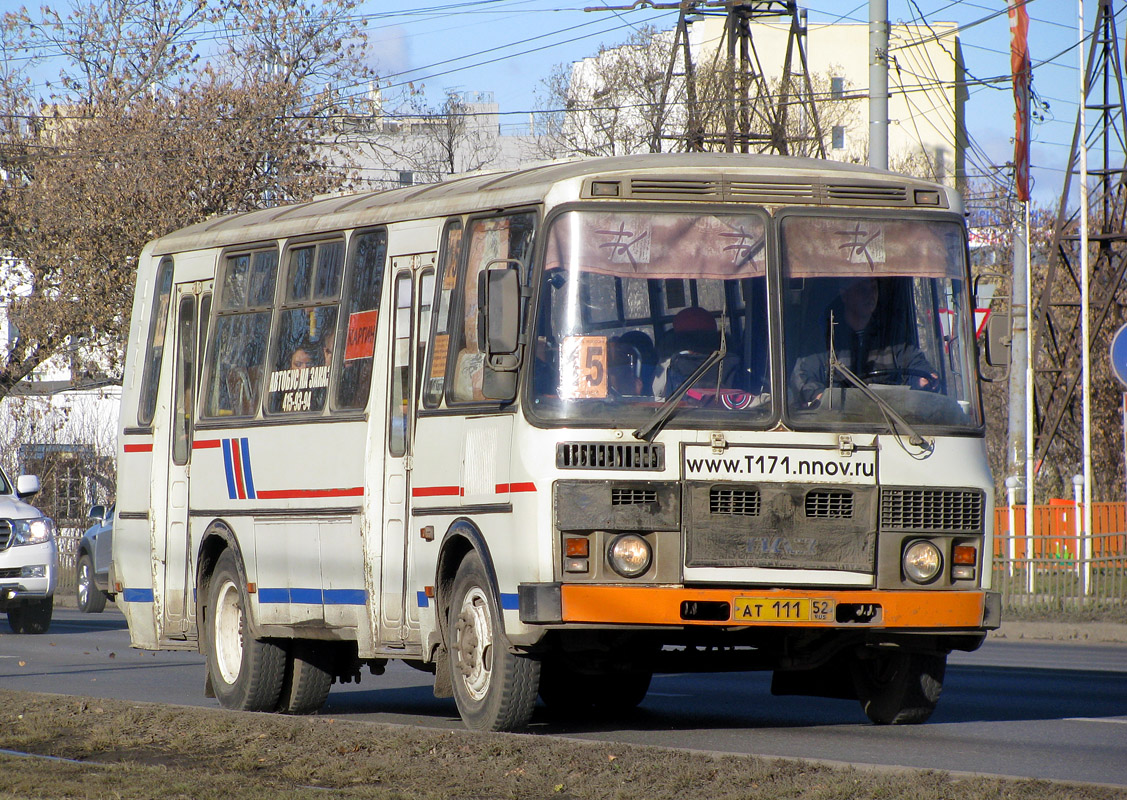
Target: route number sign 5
{"points": [[583, 367]]}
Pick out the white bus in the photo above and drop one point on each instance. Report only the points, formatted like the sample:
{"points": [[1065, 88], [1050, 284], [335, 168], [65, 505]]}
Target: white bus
{"points": [[548, 432]]}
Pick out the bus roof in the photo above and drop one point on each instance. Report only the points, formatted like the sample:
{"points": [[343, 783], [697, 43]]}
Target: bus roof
{"points": [[707, 177]]}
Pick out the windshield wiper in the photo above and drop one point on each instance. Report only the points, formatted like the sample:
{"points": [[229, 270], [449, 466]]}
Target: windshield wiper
{"points": [[915, 438], [651, 429]]}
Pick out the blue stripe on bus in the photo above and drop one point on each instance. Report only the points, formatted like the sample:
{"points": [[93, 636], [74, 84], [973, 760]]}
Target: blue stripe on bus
{"points": [[244, 444], [345, 597], [137, 595], [509, 602], [231, 494], [329, 597]]}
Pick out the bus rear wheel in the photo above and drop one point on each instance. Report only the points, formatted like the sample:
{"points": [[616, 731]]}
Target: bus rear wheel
{"points": [[306, 684], [495, 689], [246, 673], [898, 687]]}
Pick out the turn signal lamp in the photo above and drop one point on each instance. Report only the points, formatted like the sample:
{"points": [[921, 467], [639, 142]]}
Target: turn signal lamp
{"points": [[964, 559]]}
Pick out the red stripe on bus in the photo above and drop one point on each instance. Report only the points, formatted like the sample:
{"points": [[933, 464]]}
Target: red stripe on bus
{"points": [[502, 488], [298, 494], [237, 469], [207, 444], [436, 491], [138, 448]]}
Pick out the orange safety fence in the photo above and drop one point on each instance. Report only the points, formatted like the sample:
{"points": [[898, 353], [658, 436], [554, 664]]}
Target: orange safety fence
{"points": [[1055, 532]]}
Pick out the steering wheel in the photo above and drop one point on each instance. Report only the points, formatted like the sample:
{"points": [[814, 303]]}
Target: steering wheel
{"points": [[905, 377]]}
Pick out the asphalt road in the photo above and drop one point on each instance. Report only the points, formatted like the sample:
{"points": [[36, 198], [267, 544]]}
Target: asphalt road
{"points": [[1028, 709]]}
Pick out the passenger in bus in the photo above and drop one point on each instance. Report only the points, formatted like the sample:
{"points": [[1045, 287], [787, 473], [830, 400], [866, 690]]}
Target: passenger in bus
{"points": [[693, 339], [631, 364], [863, 341]]}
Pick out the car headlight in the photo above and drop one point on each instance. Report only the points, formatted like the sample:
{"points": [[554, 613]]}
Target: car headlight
{"points": [[33, 531], [922, 561], [629, 555]]}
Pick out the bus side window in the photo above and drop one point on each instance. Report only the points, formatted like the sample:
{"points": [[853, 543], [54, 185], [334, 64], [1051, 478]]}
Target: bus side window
{"points": [[365, 281], [447, 277], [154, 349], [307, 325], [238, 353], [490, 239]]}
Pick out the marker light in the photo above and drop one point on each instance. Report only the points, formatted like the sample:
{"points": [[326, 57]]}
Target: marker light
{"points": [[922, 561], [629, 555]]}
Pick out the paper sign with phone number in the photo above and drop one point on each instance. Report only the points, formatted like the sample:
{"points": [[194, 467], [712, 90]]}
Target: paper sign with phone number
{"points": [[583, 367]]}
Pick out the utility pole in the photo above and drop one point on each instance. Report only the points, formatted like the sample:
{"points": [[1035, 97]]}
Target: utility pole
{"points": [[878, 84], [754, 119], [1061, 328]]}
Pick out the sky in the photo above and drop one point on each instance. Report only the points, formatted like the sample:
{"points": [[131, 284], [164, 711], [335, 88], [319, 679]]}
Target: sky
{"points": [[509, 47]]}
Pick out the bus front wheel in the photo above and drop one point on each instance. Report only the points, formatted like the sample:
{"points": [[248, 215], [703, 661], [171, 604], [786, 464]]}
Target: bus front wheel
{"points": [[246, 673], [898, 687], [495, 689]]}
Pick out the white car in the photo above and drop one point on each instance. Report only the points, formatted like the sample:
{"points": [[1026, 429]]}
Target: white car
{"points": [[29, 558]]}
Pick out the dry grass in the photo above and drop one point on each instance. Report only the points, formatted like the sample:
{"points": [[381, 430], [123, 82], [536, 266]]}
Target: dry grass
{"points": [[134, 750]]}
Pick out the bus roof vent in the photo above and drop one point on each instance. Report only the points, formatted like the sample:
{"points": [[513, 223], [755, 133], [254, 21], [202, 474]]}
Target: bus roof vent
{"points": [[932, 510], [772, 191], [868, 194], [674, 189], [610, 455]]}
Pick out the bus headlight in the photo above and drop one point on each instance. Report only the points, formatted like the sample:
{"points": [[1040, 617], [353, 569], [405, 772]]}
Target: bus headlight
{"points": [[629, 555], [32, 531], [922, 561]]}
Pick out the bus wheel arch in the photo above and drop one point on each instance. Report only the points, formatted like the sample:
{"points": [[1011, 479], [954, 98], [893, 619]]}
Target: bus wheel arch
{"points": [[462, 538]]}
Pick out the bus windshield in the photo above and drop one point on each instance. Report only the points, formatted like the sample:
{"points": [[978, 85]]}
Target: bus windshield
{"points": [[886, 299], [633, 304]]}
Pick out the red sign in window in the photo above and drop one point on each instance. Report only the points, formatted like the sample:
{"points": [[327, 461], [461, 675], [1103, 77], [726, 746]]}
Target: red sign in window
{"points": [[361, 341]]}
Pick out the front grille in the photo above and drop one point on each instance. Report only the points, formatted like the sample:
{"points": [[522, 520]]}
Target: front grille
{"points": [[828, 504], [626, 496], [5, 533], [771, 191], [932, 510], [10, 572], [606, 455], [734, 502]]}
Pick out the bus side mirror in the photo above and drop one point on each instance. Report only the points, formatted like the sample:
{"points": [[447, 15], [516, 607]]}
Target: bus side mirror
{"points": [[498, 292], [998, 340]]}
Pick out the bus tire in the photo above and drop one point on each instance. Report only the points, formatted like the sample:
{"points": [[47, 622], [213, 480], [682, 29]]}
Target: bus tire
{"points": [[494, 689], [566, 690], [898, 687], [246, 673], [306, 685]]}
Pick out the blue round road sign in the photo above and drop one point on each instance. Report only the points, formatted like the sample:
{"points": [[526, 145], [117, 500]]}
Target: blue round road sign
{"points": [[1119, 355]]}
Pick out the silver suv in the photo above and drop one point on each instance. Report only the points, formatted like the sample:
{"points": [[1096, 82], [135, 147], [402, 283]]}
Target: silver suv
{"points": [[29, 558]]}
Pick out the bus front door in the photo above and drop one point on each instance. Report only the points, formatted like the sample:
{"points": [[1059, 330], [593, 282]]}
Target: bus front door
{"points": [[412, 291]]}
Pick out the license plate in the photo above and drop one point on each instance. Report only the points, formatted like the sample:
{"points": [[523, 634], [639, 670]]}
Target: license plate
{"points": [[776, 609]]}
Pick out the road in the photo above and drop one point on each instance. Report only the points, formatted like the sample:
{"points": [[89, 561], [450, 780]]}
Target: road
{"points": [[1027, 709]]}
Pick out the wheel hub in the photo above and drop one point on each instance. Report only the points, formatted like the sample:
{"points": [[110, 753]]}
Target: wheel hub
{"points": [[473, 643], [228, 633]]}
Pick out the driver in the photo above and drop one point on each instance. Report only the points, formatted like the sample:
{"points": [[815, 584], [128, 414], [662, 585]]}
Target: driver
{"points": [[862, 342]]}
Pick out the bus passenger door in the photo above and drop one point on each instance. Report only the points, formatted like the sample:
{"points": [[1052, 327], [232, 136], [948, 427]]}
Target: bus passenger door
{"points": [[411, 292], [190, 300]]}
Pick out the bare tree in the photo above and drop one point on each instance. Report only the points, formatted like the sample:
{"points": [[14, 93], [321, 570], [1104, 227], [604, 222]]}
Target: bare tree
{"points": [[611, 103], [137, 140], [434, 143]]}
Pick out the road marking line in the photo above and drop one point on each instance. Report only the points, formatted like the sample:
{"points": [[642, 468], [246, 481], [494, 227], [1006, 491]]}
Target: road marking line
{"points": [[1113, 720]]}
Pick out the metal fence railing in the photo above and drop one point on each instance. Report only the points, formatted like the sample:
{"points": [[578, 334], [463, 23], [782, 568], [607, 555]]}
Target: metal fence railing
{"points": [[1060, 566], [68, 576]]}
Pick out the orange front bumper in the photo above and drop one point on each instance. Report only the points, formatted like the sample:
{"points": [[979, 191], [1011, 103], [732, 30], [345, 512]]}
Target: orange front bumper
{"points": [[642, 605]]}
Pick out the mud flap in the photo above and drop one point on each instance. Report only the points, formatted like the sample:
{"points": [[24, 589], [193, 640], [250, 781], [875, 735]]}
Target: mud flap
{"points": [[442, 684]]}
